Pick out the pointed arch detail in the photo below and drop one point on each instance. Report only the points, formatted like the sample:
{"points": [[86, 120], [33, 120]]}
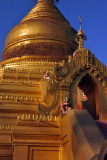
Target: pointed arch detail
{"points": [[84, 66]]}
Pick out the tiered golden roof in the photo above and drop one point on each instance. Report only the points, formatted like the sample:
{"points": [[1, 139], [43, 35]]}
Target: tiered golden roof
{"points": [[44, 32]]}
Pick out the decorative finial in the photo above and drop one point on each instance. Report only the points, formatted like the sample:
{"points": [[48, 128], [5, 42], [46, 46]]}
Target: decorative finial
{"points": [[81, 37], [47, 0], [80, 20]]}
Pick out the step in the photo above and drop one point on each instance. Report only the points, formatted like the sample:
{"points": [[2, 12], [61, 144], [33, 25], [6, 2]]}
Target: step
{"points": [[103, 127]]}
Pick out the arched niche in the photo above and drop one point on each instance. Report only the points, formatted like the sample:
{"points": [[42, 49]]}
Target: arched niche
{"points": [[94, 90], [88, 85]]}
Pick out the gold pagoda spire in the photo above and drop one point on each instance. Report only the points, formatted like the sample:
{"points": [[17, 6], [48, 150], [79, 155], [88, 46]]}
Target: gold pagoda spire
{"points": [[45, 1], [48, 0], [41, 31], [81, 37]]}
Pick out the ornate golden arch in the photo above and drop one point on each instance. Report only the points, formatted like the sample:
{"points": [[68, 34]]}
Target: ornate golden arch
{"points": [[69, 74]]}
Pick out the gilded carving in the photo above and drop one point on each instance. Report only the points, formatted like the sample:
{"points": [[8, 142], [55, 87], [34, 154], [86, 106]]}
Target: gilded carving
{"points": [[5, 127], [80, 62], [35, 117], [53, 93]]}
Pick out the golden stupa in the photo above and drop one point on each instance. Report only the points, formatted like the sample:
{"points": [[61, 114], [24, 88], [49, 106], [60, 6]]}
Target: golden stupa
{"points": [[44, 31], [53, 91]]}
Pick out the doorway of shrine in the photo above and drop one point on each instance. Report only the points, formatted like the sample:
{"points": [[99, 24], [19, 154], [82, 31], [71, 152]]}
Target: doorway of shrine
{"points": [[86, 95], [90, 96]]}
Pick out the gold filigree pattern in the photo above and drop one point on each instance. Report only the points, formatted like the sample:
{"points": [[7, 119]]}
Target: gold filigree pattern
{"points": [[53, 93], [82, 60]]}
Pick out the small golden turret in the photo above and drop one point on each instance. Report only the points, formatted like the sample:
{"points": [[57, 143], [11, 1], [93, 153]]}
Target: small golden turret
{"points": [[81, 37]]}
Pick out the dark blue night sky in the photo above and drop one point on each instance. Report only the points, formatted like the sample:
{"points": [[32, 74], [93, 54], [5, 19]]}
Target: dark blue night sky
{"points": [[93, 13]]}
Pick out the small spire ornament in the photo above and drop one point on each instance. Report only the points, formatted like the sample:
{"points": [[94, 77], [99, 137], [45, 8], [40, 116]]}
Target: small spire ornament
{"points": [[81, 37], [80, 20], [35, 1]]}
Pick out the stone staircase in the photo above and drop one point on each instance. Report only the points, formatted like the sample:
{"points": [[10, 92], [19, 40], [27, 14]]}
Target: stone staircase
{"points": [[103, 127]]}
